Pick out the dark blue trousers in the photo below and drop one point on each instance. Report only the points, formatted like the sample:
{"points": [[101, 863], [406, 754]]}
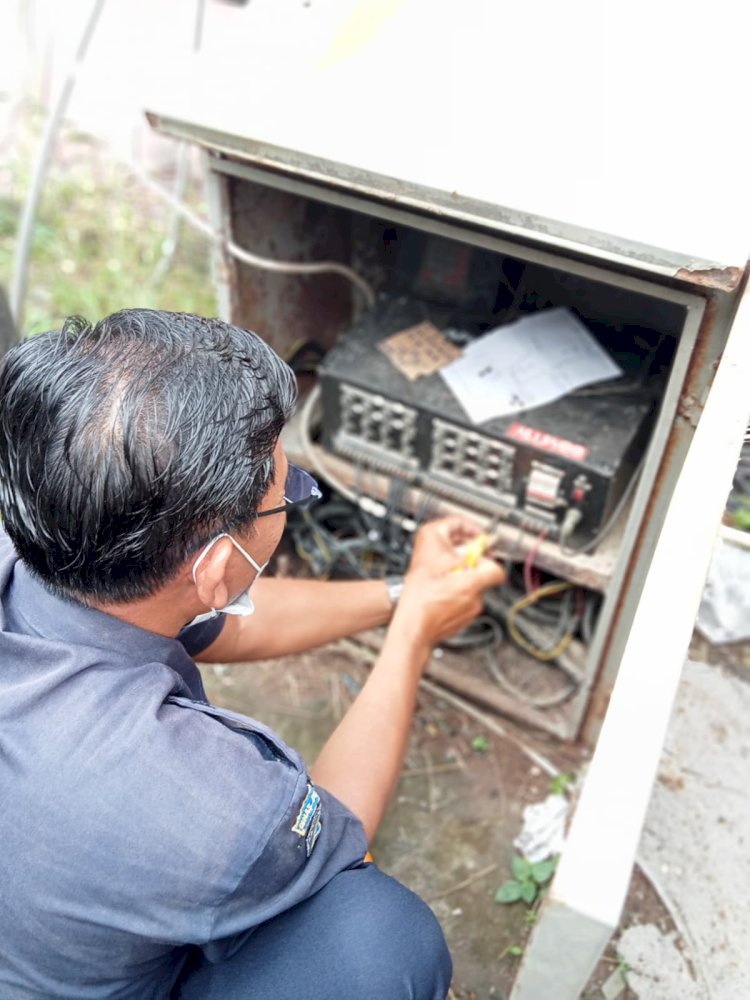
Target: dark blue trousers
{"points": [[363, 937]]}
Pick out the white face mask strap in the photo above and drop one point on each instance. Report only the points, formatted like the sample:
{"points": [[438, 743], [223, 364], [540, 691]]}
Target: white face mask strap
{"points": [[207, 549], [253, 563], [242, 605]]}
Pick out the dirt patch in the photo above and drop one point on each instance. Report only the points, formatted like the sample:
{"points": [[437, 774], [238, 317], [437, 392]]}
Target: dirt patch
{"points": [[457, 808]]}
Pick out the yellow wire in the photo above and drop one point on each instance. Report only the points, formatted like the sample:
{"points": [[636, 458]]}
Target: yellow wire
{"points": [[548, 590], [298, 344]]}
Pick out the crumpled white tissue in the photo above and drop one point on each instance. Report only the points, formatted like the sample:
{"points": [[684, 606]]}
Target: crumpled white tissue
{"points": [[543, 831]]}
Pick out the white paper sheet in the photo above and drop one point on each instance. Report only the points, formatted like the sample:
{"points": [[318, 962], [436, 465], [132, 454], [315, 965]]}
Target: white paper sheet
{"points": [[526, 364]]}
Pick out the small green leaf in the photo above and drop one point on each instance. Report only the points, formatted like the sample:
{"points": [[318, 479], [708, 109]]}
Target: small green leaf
{"points": [[543, 871], [561, 782], [508, 892], [528, 892], [515, 949], [480, 744], [520, 868], [741, 517]]}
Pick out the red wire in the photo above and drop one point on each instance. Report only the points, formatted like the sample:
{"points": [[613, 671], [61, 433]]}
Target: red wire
{"points": [[528, 581]]}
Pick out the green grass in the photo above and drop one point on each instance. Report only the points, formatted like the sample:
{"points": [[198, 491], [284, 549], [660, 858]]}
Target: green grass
{"points": [[98, 238]]}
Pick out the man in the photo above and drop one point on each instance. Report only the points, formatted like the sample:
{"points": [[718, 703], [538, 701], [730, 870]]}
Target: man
{"points": [[153, 845]]}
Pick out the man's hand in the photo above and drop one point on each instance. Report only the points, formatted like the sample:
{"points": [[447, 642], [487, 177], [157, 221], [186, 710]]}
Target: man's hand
{"points": [[361, 761], [440, 596]]}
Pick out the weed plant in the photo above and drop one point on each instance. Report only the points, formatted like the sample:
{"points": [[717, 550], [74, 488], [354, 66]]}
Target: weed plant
{"points": [[99, 236]]}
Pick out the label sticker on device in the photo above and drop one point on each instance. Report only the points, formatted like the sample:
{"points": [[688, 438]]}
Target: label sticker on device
{"points": [[548, 442]]}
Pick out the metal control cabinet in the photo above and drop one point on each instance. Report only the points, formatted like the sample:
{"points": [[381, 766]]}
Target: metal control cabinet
{"points": [[283, 209], [316, 151]]}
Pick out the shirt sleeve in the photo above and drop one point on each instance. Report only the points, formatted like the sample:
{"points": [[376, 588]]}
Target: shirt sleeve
{"points": [[197, 638], [314, 839], [261, 836]]}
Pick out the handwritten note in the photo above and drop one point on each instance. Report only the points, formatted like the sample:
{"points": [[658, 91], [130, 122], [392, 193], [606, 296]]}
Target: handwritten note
{"points": [[419, 350], [533, 361]]}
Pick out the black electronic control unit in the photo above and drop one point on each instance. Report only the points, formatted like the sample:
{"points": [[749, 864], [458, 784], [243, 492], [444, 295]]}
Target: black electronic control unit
{"points": [[561, 466]]}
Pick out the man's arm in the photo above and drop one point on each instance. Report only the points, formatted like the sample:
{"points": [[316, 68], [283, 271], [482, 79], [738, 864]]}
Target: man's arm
{"points": [[296, 615], [362, 759]]}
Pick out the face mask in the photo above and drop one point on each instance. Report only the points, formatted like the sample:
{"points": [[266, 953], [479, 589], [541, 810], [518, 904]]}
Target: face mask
{"points": [[241, 605]]}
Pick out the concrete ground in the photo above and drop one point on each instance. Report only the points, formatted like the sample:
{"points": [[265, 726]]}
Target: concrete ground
{"points": [[696, 842]]}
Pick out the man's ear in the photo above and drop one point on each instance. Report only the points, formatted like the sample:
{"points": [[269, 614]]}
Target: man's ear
{"points": [[210, 575]]}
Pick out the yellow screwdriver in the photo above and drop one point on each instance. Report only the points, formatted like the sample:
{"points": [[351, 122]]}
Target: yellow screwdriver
{"points": [[478, 546]]}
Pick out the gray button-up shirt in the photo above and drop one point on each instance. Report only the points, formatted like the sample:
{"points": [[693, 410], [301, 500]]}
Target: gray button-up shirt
{"points": [[136, 819]]}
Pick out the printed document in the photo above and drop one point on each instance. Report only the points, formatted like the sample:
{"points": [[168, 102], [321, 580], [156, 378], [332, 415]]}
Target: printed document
{"points": [[533, 361]]}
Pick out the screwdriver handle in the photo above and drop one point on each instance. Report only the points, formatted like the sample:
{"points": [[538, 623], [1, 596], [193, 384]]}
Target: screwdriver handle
{"points": [[474, 552]]}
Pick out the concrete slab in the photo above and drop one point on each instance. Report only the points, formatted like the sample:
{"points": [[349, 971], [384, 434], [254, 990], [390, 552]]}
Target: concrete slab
{"points": [[657, 967], [697, 840]]}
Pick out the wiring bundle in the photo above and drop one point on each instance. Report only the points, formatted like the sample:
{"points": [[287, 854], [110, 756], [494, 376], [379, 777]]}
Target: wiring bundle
{"points": [[549, 619], [351, 533]]}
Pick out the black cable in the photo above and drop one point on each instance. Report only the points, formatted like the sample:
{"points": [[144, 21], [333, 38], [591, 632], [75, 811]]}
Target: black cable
{"points": [[609, 523], [502, 679], [337, 537], [590, 612], [479, 633]]}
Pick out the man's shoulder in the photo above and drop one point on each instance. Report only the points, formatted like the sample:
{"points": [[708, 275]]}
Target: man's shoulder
{"points": [[240, 803], [246, 773]]}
